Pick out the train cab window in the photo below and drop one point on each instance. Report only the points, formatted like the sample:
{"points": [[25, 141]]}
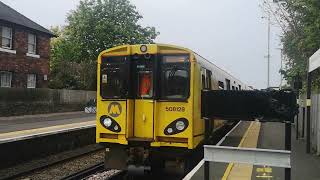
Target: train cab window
{"points": [[175, 77], [114, 78], [228, 84], [221, 85]]}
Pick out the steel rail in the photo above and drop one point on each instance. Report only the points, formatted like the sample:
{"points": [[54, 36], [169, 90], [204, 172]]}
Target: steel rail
{"points": [[70, 158], [86, 172]]}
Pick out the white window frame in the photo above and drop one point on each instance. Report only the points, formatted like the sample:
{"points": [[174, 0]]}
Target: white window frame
{"points": [[31, 83], [2, 84], [32, 44], [4, 37]]}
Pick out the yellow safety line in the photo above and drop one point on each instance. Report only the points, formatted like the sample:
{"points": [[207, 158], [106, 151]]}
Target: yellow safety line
{"points": [[229, 168]]}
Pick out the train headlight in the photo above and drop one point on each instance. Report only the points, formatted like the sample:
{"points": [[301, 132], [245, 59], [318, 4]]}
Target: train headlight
{"points": [[177, 126], [180, 125], [110, 124], [107, 122], [143, 48]]}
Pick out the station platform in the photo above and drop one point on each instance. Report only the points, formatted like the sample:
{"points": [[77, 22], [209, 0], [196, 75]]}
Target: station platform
{"points": [[265, 136], [25, 127]]}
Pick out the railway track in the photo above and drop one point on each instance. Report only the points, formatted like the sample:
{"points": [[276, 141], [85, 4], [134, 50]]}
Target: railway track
{"points": [[31, 170], [97, 172], [86, 172]]}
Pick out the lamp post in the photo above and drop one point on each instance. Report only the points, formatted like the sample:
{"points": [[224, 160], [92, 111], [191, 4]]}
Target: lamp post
{"points": [[268, 55], [280, 1], [281, 57], [269, 50]]}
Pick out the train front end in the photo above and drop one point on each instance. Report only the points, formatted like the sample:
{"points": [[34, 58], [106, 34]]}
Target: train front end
{"points": [[145, 105]]}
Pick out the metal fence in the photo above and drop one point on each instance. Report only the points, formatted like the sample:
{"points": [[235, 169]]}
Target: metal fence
{"points": [[315, 125], [315, 118]]}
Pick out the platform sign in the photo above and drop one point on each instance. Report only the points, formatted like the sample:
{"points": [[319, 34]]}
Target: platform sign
{"points": [[314, 61]]}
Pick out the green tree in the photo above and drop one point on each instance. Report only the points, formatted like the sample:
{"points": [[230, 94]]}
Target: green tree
{"points": [[300, 22], [93, 27]]}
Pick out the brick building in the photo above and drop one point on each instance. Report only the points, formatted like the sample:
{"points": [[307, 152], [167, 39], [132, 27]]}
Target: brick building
{"points": [[24, 51]]}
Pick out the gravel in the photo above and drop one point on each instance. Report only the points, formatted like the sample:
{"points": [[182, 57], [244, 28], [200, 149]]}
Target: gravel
{"points": [[41, 162], [103, 175], [64, 169]]}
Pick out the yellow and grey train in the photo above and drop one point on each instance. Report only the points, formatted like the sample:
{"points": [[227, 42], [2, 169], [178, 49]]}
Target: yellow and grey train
{"points": [[149, 103]]}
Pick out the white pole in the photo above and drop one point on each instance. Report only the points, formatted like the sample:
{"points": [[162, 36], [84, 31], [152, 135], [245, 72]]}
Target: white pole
{"points": [[268, 85]]}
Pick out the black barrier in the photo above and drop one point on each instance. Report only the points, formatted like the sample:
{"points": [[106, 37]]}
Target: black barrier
{"points": [[265, 105]]}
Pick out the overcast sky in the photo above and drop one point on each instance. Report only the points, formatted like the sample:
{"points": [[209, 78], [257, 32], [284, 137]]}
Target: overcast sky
{"points": [[230, 33]]}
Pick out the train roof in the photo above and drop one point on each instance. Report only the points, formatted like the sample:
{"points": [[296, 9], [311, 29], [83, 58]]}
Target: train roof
{"points": [[173, 48], [209, 63]]}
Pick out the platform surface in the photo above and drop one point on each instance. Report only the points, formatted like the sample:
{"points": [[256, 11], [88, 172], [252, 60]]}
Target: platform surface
{"points": [[270, 136], [304, 166], [26, 127], [17, 123]]}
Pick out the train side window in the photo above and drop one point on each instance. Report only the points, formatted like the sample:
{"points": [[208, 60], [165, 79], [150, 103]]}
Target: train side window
{"points": [[221, 85], [228, 84], [208, 79], [203, 80]]}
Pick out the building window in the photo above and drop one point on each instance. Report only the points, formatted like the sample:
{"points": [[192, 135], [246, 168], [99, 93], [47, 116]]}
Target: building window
{"points": [[6, 37], [32, 43], [32, 81], [5, 79]]}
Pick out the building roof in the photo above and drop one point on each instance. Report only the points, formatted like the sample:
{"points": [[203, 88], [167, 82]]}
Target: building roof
{"points": [[13, 16]]}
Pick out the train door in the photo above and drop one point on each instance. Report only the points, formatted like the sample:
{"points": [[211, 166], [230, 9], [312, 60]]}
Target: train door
{"points": [[143, 103]]}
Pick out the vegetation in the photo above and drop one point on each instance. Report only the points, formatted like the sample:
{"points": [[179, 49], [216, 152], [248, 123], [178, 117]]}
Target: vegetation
{"points": [[300, 22], [93, 27]]}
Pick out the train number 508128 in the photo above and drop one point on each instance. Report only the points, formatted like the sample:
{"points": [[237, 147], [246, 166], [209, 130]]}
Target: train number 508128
{"points": [[176, 109]]}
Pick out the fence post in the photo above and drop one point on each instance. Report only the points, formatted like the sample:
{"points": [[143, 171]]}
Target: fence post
{"points": [[308, 103], [288, 146], [207, 136]]}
